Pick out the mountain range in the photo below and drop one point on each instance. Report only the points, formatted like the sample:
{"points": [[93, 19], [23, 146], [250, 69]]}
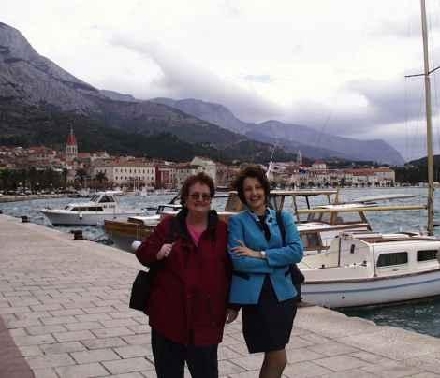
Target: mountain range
{"points": [[39, 101]]}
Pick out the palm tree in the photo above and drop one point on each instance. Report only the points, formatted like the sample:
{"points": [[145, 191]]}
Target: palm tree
{"points": [[101, 178], [81, 175]]}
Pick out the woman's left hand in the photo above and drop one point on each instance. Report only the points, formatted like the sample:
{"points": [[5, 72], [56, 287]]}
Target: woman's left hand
{"points": [[242, 250]]}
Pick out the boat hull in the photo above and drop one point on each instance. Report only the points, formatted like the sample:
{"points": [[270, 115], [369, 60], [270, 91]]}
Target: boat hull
{"points": [[372, 291], [83, 218], [123, 234]]}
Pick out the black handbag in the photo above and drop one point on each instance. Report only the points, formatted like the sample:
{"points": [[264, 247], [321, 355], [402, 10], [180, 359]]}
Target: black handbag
{"points": [[295, 273], [141, 290], [143, 284]]}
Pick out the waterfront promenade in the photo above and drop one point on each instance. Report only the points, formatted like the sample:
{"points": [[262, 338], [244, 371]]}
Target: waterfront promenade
{"points": [[64, 313]]}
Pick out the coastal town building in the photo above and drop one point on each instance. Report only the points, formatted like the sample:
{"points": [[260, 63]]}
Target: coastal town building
{"points": [[135, 173], [165, 175], [184, 170], [205, 165]]}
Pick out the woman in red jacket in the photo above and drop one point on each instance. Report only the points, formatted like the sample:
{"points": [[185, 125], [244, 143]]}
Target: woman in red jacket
{"points": [[187, 307]]}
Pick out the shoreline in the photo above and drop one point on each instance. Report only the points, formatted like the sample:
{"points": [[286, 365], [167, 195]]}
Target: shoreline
{"points": [[4, 199]]}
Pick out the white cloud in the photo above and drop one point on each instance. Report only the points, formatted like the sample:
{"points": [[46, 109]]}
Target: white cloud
{"points": [[335, 65]]}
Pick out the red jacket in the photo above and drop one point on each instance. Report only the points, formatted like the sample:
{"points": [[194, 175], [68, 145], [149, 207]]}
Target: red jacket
{"points": [[191, 286]]}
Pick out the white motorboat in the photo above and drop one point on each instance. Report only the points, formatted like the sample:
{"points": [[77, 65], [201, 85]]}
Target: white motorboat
{"points": [[101, 206], [368, 268]]}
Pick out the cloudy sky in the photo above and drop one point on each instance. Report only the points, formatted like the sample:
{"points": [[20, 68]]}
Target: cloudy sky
{"points": [[336, 65]]}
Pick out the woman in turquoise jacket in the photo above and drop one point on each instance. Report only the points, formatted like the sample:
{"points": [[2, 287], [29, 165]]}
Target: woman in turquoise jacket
{"points": [[261, 282]]}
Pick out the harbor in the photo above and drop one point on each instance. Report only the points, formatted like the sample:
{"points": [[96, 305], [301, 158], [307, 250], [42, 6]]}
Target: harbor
{"points": [[64, 308], [419, 317]]}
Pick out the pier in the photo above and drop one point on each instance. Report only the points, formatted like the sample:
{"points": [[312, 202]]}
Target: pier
{"points": [[64, 313]]}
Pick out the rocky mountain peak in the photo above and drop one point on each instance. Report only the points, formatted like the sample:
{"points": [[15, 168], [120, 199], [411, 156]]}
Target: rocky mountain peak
{"points": [[208, 111], [32, 78]]}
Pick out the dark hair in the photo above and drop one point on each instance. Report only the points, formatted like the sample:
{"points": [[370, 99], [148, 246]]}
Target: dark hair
{"points": [[253, 171], [201, 178]]}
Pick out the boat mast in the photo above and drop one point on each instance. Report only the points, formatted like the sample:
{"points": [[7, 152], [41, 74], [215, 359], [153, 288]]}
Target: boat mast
{"points": [[430, 228]]}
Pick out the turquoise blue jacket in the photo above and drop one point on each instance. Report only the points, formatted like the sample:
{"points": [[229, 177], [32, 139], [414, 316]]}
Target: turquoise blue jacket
{"points": [[249, 272]]}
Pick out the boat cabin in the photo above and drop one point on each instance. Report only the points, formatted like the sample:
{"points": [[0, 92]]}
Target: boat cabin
{"points": [[371, 254], [102, 201]]}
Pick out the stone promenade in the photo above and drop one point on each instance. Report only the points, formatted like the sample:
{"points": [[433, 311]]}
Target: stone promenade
{"points": [[63, 307]]}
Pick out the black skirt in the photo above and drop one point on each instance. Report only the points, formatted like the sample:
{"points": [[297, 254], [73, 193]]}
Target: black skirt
{"points": [[268, 324]]}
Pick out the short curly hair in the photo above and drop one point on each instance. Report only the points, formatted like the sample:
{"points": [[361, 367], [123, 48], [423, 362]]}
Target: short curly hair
{"points": [[253, 171], [201, 178]]}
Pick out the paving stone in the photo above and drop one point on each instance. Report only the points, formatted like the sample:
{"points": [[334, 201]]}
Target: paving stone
{"points": [[134, 374], [226, 353], [341, 363], [4, 303], [30, 351], [82, 325], [59, 348], [47, 307], [33, 315], [14, 310], [17, 331], [244, 374], [81, 304], [137, 339], [429, 362], [226, 367], [41, 330], [48, 361], [92, 317], [73, 311], [252, 362], [128, 365], [119, 323], [390, 370], [122, 314], [110, 342], [82, 371], [96, 355], [23, 323], [301, 354], [59, 320], [99, 310], [140, 350], [394, 343], [112, 332], [239, 348], [305, 369], [44, 373], [34, 340], [332, 349], [73, 335], [370, 357], [349, 374], [140, 328]]}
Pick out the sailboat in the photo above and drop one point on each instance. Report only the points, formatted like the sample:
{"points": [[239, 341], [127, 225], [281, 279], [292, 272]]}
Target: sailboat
{"points": [[370, 268]]}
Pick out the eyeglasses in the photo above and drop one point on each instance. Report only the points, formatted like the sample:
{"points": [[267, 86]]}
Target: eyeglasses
{"points": [[203, 196]]}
